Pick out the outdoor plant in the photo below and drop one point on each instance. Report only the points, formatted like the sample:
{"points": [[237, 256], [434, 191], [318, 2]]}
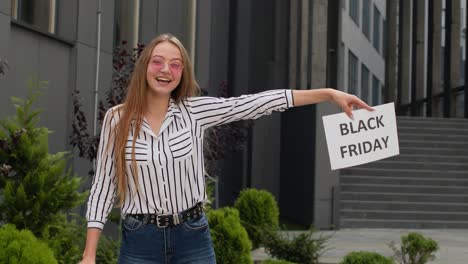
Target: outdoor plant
{"points": [[3, 67], [414, 249], [365, 257], [258, 212], [22, 247], [275, 261], [36, 186], [82, 138], [304, 248], [230, 240]]}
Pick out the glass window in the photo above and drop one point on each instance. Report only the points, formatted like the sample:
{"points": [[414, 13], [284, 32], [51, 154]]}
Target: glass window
{"points": [[354, 10], [366, 18], [38, 13], [352, 73], [384, 37], [376, 38], [375, 91], [126, 23], [364, 83]]}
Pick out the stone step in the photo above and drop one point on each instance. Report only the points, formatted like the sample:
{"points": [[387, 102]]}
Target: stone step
{"points": [[382, 180], [436, 151], [404, 197], [430, 158], [404, 215], [434, 137], [432, 122], [416, 165], [436, 130], [449, 174], [403, 206], [417, 189], [433, 144], [410, 224]]}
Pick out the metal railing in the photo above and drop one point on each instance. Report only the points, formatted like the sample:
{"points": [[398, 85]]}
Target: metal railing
{"points": [[427, 106]]}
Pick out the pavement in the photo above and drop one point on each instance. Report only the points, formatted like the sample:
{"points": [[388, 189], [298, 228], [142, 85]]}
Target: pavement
{"points": [[453, 243]]}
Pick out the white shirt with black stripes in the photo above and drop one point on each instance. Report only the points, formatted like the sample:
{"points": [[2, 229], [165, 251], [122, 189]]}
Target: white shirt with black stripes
{"points": [[170, 164]]}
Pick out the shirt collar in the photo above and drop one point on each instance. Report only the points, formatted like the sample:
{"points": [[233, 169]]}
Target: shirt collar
{"points": [[173, 109]]}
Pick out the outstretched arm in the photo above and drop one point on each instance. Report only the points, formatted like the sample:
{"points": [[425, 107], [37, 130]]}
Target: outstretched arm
{"points": [[344, 100]]}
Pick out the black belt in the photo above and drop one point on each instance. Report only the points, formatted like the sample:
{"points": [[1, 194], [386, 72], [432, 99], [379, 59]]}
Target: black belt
{"points": [[168, 220]]}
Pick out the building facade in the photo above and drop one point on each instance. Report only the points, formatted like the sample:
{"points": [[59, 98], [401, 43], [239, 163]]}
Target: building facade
{"points": [[250, 45]]}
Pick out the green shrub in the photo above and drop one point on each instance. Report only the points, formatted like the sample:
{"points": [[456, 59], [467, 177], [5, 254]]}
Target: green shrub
{"points": [[415, 249], [275, 261], [66, 239], [230, 240], [36, 187], [258, 212], [22, 247], [365, 257], [304, 248]]}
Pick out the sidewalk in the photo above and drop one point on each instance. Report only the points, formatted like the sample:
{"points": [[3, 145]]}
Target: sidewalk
{"points": [[453, 243]]}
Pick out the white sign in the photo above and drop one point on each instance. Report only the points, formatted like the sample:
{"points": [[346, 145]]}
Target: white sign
{"points": [[369, 136]]}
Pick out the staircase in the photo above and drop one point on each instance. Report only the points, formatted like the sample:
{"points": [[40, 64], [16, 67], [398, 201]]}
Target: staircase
{"points": [[426, 186]]}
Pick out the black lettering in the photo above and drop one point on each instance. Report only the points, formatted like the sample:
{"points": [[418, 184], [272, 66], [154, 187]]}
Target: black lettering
{"points": [[377, 144], [343, 151], [385, 141], [369, 123], [379, 121], [367, 146], [352, 149], [362, 125], [344, 129]]}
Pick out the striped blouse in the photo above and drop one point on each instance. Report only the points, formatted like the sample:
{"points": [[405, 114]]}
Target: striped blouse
{"points": [[170, 164]]}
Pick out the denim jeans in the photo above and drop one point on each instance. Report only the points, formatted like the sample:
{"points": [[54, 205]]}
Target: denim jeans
{"points": [[189, 242]]}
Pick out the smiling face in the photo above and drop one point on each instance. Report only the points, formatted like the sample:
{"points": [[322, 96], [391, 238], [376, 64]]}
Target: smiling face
{"points": [[164, 69]]}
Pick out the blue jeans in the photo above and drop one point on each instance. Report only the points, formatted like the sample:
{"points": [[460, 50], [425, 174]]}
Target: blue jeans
{"points": [[189, 242]]}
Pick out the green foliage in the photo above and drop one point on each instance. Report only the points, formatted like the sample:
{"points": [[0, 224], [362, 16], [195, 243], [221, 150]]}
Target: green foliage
{"points": [[107, 251], [275, 261], [23, 247], [415, 249], [66, 239], [36, 186], [230, 240], [304, 248], [364, 257], [258, 212]]}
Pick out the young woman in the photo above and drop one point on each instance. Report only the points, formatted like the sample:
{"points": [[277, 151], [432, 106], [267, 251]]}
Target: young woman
{"points": [[151, 157]]}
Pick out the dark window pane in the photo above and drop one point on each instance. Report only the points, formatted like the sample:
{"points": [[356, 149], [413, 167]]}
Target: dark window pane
{"points": [[39, 13], [352, 73], [354, 10], [364, 83], [376, 38], [375, 91], [366, 18]]}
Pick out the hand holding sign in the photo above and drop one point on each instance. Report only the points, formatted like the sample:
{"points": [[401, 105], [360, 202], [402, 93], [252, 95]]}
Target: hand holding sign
{"points": [[370, 136]]}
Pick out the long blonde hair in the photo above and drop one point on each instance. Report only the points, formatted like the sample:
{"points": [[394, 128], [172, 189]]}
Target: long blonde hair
{"points": [[135, 102]]}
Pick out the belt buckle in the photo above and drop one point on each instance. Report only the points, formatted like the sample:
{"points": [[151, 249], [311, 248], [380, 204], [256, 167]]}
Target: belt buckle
{"points": [[158, 223]]}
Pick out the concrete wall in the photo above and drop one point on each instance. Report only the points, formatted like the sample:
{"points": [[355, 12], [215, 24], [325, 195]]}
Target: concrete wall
{"points": [[244, 42]]}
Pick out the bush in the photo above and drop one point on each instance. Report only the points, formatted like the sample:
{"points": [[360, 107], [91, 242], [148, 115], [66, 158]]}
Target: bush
{"points": [[23, 247], [364, 257], [258, 212], [303, 248], [35, 186], [230, 240], [415, 249], [275, 261]]}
